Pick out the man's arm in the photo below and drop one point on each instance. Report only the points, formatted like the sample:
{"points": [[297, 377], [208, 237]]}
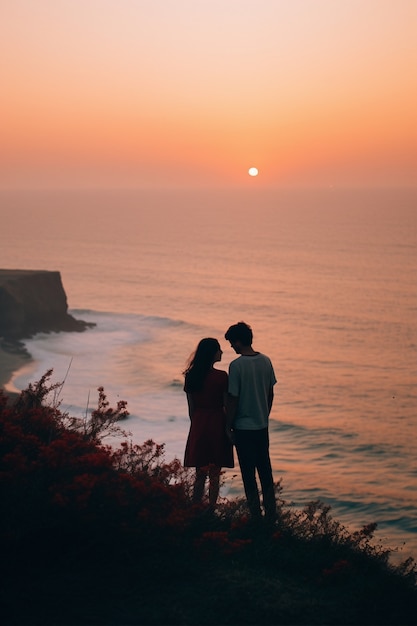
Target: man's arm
{"points": [[270, 398]]}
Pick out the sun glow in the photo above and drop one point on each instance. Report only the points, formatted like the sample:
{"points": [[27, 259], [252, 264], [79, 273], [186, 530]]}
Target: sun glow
{"points": [[83, 105]]}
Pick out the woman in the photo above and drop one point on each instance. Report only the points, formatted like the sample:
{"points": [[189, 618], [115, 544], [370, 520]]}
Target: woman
{"points": [[208, 448]]}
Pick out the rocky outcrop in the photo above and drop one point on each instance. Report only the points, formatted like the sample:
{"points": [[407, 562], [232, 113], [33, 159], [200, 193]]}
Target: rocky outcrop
{"points": [[34, 301]]}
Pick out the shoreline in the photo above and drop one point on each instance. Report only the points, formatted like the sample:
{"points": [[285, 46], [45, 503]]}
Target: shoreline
{"points": [[13, 356]]}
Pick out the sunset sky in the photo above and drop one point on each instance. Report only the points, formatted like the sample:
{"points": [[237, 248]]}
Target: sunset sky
{"points": [[139, 93]]}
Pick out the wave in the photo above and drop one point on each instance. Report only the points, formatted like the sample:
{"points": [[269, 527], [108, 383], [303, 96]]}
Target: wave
{"points": [[141, 318], [137, 324], [320, 436], [126, 352]]}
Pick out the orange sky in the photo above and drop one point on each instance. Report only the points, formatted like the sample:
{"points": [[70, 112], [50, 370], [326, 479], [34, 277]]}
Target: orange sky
{"points": [[194, 92]]}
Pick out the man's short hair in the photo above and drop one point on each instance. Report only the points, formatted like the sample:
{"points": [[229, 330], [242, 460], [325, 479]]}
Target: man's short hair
{"points": [[240, 332]]}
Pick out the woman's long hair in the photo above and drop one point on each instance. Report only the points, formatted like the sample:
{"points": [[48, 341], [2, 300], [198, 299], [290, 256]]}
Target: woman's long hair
{"points": [[200, 363]]}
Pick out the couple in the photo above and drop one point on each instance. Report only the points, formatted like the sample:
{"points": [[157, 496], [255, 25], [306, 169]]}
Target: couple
{"points": [[226, 410]]}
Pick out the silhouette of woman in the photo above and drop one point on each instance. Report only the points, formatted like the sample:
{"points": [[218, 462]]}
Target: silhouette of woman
{"points": [[208, 448]]}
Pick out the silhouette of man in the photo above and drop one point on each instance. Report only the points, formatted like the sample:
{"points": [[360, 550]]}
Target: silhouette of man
{"points": [[250, 397]]}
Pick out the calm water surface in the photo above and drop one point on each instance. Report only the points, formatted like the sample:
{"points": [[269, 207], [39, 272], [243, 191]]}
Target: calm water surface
{"points": [[328, 281]]}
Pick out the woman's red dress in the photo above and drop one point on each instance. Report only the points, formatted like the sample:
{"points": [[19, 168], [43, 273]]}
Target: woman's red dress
{"points": [[207, 441]]}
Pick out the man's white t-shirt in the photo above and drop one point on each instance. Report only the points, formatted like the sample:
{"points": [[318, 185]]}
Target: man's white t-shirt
{"points": [[250, 379]]}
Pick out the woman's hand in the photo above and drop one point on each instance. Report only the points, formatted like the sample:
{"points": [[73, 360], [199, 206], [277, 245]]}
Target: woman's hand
{"points": [[230, 435]]}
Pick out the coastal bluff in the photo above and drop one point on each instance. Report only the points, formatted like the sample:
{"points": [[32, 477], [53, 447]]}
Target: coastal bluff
{"points": [[33, 301]]}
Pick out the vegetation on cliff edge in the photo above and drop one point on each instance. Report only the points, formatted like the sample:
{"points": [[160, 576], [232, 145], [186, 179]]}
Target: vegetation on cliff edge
{"points": [[92, 534]]}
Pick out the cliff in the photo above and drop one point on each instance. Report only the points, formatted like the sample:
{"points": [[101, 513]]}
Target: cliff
{"points": [[34, 301]]}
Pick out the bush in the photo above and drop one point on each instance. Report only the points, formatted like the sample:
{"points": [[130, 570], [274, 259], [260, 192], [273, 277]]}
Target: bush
{"points": [[57, 478], [111, 534]]}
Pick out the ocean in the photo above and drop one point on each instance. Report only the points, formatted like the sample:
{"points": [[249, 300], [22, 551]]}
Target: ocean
{"points": [[326, 278]]}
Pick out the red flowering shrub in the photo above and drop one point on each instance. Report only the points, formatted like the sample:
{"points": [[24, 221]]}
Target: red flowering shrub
{"points": [[57, 477]]}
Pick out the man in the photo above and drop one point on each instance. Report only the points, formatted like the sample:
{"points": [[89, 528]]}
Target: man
{"points": [[250, 397]]}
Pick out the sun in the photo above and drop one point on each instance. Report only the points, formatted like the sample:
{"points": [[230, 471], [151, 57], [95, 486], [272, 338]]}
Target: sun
{"points": [[253, 171]]}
